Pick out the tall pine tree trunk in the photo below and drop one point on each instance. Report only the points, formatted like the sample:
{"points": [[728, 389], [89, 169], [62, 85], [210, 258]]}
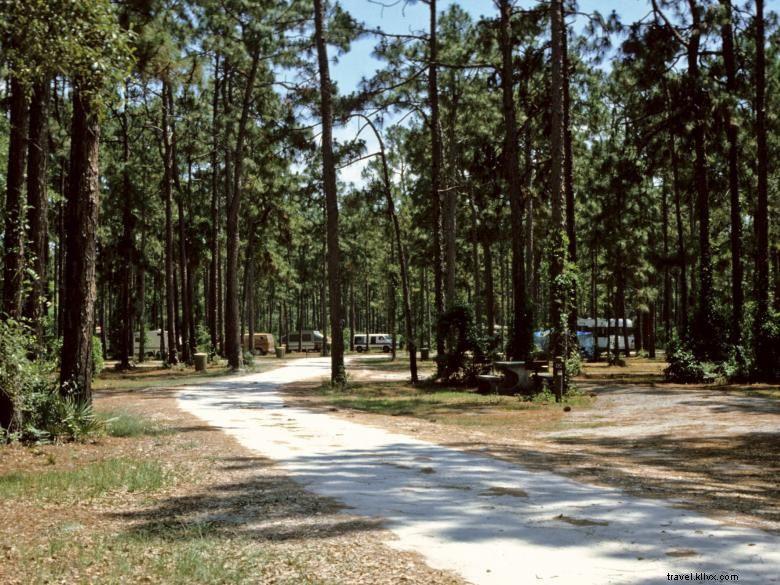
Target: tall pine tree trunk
{"points": [[558, 289], [337, 374], [730, 123], [436, 164], [38, 207], [13, 237], [766, 352], [521, 342], [78, 310], [232, 324], [167, 188]]}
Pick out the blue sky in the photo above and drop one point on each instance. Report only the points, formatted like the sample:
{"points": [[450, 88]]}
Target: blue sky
{"points": [[414, 17], [358, 62]]}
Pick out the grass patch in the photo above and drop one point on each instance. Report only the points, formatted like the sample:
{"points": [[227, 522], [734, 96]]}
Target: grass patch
{"points": [[402, 399], [155, 375], [192, 554], [360, 361], [126, 424], [91, 481]]}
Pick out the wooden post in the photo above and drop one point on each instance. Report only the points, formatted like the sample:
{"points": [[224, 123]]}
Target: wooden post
{"points": [[559, 376]]}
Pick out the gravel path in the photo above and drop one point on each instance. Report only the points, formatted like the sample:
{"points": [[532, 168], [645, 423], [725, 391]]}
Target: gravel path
{"points": [[487, 520]]}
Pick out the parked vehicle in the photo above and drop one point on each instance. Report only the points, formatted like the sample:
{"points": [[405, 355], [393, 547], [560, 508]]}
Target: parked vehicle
{"points": [[151, 343], [381, 341], [306, 340], [607, 332], [263, 343]]}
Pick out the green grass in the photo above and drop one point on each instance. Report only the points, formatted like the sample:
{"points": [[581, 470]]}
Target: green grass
{"points": [[126, 424], [190, 553], [385, 364], [179, 375], [401, 399], [91, 481]]}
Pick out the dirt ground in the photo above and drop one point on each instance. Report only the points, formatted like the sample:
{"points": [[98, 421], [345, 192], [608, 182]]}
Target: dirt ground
{"points": [[238, 496], [706, 448]]}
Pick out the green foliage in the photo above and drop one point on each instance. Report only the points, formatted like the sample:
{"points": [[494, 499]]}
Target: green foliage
{"points": [[683, 365], [465, 357], [49, 416], [97, 356], [41, 412]]}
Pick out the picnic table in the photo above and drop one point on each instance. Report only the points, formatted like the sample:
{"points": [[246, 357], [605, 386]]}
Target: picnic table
{"points": [[515, 377]]}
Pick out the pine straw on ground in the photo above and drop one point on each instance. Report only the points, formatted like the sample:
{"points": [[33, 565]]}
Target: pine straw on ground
{"points": [[222, 504]]}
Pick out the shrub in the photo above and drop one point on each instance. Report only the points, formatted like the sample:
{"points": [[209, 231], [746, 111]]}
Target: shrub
{"points": [[40, 412], [469, 356], [97, 356], [683, 365]]}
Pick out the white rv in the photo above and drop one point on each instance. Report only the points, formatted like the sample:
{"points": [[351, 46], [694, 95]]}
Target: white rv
{"points": [[306, 340], [151, 344], [381, 341]]}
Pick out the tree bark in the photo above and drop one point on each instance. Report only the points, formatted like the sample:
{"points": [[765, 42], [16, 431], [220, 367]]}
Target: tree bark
{"points": [[337, 374], [436, 164], [765, 351], [558, 289], [81, 222], [13, 237], [521, 342], [232, 341], [704, 317], [126, 248], [38, 207], [730, 123], [167, 188]]}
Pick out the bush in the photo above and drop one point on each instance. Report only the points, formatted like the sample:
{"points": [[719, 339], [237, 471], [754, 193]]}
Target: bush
{"points": [[470, 356], [683, 366], [97, 356], [40, 412]]}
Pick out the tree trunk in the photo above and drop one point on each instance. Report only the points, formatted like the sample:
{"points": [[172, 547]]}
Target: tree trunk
{"points": [[681, 252], [568, 182], [38, 207], [80, 246], [704, 316], [337, 374], [167, 188], [558, 289], [13, 238], [521, 343], [232, 341], [730, 123], [436, 163], [766, 352], [126, 248], [214, 236]]}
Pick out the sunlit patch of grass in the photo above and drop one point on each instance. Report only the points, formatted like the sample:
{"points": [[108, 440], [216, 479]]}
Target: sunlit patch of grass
{"points": [[191, 553], [126, 424], [444, 405], [157, 376], [91, 481]]}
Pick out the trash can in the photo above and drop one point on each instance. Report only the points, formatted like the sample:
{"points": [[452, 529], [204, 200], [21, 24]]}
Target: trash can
{"points": [[280, 352], [200, 362], [425, 353]]}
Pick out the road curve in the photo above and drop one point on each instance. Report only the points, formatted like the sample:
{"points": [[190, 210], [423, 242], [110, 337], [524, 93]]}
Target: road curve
{"points": [[489, 521]]}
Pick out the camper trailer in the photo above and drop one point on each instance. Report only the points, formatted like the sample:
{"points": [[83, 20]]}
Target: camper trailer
{"points": [[381, 341], [306, 340], [151, 343], [263, 343], [608, 333]]}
